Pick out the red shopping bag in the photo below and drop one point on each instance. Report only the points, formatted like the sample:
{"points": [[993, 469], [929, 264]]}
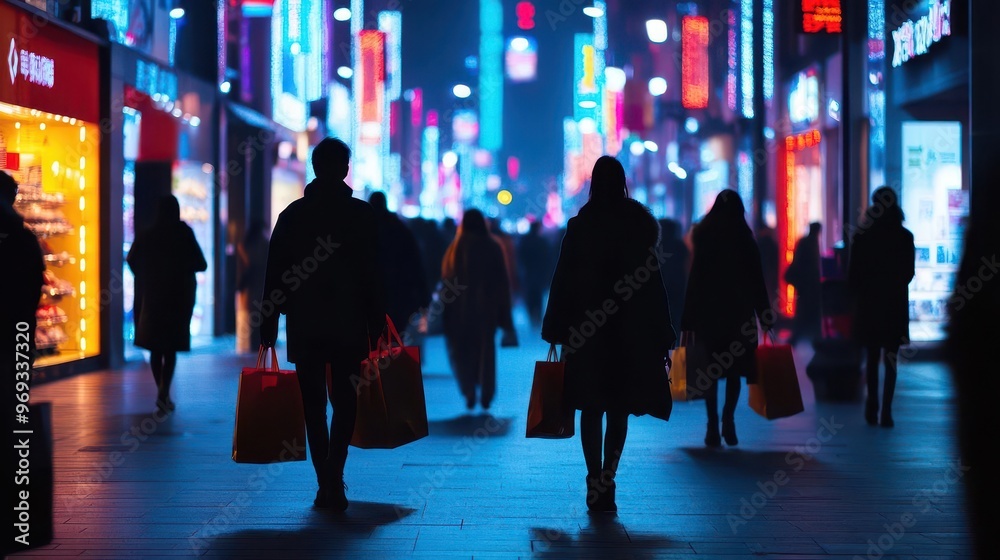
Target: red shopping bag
{"points": [[270, 422], [776, 393], [391, 406], [548, 416]]}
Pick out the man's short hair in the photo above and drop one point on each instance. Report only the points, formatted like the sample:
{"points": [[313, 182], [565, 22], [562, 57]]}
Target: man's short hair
{"points": [[331, 159], [8, 188]]}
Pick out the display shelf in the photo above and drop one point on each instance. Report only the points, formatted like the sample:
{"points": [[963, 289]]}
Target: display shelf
{"points": [[44, 200], [59, 259], [53, 321], [57, 293], [44, 230]]}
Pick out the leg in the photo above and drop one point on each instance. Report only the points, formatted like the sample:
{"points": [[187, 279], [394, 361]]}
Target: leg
{"points": [[488, 372], [167, 374], [312, 382], [712, 438], [344, 399], [733, 385], [156, 364], [889, 389], [871, 376], [614, 441], [590, 437]]}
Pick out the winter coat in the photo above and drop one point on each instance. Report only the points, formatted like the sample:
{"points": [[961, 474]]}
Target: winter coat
{"points": [[21, 282], [164, 260], [726, 296], [608, 309], [879, 273], [402, 268], [322, 273]]}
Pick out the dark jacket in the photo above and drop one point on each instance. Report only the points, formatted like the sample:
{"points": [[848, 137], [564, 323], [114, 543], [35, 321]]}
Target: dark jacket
{"points": [[804, 275], [164, 260], [475, 288], [608, 309], [21, 282], [879, 274], [402, 268], [725, 298], [322, 273]]}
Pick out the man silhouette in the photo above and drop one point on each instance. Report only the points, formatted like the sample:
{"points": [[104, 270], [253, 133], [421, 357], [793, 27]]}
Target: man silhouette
{"points": [[322, 273]]}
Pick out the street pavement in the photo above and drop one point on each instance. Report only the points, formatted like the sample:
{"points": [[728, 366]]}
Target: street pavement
{"points": [[133, 484]]}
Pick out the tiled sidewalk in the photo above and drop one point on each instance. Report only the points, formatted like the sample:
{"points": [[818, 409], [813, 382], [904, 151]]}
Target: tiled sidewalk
{"points": [[129, 486]]}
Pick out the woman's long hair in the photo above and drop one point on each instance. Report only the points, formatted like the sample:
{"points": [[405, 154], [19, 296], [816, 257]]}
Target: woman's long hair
{"points": [[607, 181], [168, 212], [884, 210], [727, 216], [473, 226]]}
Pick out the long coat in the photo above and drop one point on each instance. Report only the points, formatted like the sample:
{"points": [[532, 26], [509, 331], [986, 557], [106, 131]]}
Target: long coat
{"points": [[725, 298], [164, 260], [21, 285], [402, 267], [608, 309], [322, 274], [879, 273]]}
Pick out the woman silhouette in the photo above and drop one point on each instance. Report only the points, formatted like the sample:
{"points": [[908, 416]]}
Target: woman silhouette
{"points": [[608, 309], [726, 297]]}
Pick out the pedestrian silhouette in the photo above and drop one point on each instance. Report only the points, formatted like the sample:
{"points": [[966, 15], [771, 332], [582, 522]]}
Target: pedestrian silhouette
{"points": [[726, 297], [322, 272], [399, 258], [769, 260], [477, 300], [804, 275], [164, 260], [973, 331], [535, 256], [879, 273], [252, 255], [675, 268], [608, 309], [509, 256]]}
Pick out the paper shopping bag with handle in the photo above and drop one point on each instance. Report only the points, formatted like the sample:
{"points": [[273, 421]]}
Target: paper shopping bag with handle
{"points": [[270, 422], [776, 393], [548, 415], [391, 406]]}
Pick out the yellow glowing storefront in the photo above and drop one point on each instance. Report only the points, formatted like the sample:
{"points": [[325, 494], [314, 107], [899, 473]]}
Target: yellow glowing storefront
{"points": [[50, 143]]}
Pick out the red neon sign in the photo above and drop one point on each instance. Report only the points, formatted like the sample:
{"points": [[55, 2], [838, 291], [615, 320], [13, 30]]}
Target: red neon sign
{"points": [[788, 210], [525, 15], [694, 62], [372, 84], [822, 16]]}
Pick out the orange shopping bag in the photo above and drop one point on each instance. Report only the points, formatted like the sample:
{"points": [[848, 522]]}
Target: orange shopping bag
{"points": [[270, 422], [776, 393], [548, 417], [391, 407]]}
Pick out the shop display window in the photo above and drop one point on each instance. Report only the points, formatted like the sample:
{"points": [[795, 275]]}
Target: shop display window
{"points": [[55, 160]]}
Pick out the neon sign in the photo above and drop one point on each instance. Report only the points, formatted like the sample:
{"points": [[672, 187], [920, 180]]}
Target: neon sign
{"points": [[913, 39], [35, 68], [822, 16], [694, 62]]}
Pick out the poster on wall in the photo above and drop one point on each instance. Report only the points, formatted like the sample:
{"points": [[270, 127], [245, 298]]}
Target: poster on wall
{"points": [[936, 205]]}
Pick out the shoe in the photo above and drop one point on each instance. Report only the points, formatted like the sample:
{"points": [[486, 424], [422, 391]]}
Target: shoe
{"points": [[601, 495], [165, 405], [712, 438], [470, 403], [871, 413], [322, 500], [729, 432], [887, 419], [337, 494]]}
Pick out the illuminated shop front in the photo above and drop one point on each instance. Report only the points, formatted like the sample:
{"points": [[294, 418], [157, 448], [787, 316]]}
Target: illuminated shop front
{"points": [[50, 142], [166, 145], [926, 147]]}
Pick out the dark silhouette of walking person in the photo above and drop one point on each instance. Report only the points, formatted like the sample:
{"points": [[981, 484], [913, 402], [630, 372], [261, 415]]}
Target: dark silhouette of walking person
{"points": [[402, 267], [608, 309], [165, 259], [252, 254], [726, 298], [535, 256], [323, 273], [805, 275], [675, 269], [475, 273], [879, 273]]}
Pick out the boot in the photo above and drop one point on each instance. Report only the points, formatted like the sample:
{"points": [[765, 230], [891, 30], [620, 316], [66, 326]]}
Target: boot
{"points": [[712, 438], [729, 431], [871, 412]]}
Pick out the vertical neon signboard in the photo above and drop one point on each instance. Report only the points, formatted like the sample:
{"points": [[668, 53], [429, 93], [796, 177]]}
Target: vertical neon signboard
{"points": [[491, 74], [694, 62], [371, 76], [588, 78], [391, 23], [746, 57]]}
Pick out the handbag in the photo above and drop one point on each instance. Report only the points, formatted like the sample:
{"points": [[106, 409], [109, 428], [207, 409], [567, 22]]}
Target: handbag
{"points": [[270, 419], [776, 393], [391, 407], [683, 372], [548, 415]]}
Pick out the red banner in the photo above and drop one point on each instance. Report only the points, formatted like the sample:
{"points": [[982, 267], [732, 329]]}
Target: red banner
{"points": [[694, 62], [46, 67]]}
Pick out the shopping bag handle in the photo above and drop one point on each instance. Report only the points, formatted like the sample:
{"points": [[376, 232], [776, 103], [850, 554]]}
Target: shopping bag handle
{"points": [[262, 359], [553, 355], [768, 336], [388, 335]]}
